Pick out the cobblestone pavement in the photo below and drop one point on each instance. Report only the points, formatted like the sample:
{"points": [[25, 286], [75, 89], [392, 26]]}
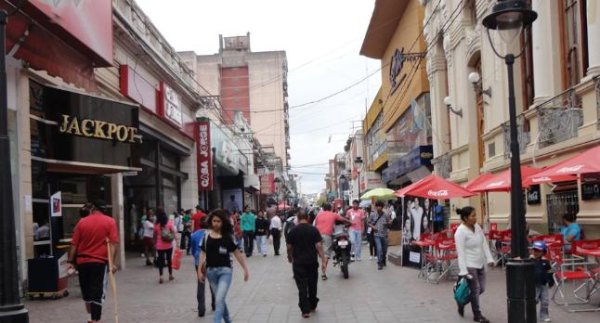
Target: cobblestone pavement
{"points": [[394, 294]]}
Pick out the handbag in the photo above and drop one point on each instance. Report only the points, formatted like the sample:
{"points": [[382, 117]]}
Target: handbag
{"points": [[176, 260], [462, 292], [166, 234]]}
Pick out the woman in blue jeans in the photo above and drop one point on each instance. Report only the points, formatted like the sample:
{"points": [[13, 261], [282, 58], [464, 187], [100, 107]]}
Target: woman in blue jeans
{"points": [[216, 250]]}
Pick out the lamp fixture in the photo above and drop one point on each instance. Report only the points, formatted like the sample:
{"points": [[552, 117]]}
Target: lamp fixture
{"points": [[448, 103], [475, 79]]}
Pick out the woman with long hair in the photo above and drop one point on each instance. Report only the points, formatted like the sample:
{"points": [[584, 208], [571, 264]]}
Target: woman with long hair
{"points": [[215, 257], [164, 234], [473, 253]]}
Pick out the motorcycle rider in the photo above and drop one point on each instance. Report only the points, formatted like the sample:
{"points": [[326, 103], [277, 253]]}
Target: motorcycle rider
{"points": [[325, 222]]}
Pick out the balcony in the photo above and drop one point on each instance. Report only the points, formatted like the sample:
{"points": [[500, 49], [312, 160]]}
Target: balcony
{"points": [[523, 136], [559, 118], [443, 165]]}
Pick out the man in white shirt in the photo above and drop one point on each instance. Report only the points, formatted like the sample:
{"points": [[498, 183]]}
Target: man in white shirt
{"points": [[275, 230]]}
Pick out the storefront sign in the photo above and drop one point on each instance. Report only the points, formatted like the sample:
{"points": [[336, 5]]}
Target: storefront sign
{"points": [[590, 186], [171, 105], [397, 64], [84, 22], [267, 184], [84, 128], [533, 195], [205, 180], [98, 129], [419, 156]]}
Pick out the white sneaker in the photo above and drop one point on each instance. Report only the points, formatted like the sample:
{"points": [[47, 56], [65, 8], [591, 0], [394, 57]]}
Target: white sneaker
{"points": [[358, 259], [547, 320], [370, 257]]}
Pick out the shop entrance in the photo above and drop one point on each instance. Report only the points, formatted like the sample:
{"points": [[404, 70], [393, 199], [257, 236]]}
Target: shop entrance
{"points": [[558, 204], [76, 189]]}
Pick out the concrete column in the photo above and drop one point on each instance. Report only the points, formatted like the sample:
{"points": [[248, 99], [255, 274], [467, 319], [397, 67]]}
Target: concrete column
{"points": [[542, 46], [593, 35], [118, 213]]}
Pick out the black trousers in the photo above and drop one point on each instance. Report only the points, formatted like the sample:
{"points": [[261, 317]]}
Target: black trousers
{"points": [[276, 240], [93, 279], [164, 259], [185, 241], [372, 249], [248, 242], [306, 277]]}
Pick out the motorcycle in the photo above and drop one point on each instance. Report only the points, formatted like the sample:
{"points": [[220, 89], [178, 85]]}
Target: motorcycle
{"points": [[342, 248]]}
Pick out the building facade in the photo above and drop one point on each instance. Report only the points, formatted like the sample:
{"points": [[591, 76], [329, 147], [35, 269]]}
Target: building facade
{"points": [[254, 83], [397, 124], [557, 87]]}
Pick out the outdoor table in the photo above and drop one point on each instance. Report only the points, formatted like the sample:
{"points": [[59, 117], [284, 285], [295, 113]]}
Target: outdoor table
{"points": [[423, 244]]}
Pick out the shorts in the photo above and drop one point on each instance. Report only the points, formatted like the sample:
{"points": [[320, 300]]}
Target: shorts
{"points": [[148, 242], [93, 279], [327, 245]]}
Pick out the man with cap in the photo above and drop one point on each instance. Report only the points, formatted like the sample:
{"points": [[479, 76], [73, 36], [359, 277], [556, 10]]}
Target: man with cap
{"points": [[89, 252]]}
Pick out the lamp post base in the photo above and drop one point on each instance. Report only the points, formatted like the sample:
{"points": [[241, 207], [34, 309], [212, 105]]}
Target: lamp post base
{"points": [[520, 289], [14, 314]]}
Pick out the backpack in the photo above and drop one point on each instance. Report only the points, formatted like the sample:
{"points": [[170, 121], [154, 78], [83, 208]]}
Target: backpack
{"points": [[166, 234], [462, 292]]}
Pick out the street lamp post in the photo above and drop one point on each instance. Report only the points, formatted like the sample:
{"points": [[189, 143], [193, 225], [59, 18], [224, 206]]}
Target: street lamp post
{"points": [[11, 308], [508, 18], [358, 162]]}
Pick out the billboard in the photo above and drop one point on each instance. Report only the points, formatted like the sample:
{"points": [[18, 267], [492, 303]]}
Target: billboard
{"points": [[87, 22]]}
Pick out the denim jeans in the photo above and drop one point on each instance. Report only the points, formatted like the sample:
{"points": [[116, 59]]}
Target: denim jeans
{"points": [[477, 286], [356, 239], [541, 296], [261, 245], [219, 279], [381, 245]]}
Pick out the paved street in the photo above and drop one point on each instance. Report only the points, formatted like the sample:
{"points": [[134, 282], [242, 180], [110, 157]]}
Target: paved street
{"points": [[391, 295]]}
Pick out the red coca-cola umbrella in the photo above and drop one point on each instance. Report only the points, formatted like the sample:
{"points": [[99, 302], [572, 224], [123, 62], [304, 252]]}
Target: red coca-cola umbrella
{"points": [[434, 187], [501, 182], [586, 162], [478, 180]]}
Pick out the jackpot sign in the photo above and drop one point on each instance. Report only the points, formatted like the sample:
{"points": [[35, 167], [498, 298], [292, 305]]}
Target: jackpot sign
{"points": [[205, 182]]}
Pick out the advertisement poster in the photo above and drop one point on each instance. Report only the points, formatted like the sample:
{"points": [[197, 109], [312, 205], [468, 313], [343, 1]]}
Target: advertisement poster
{"points": [[56, 204], [233, 200], [416, 220]]}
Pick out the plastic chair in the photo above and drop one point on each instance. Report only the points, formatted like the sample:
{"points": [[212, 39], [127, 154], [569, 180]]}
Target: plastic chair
{"points": [[443, 259]]}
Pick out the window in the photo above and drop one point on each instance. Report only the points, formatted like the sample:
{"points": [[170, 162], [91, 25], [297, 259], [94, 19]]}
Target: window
{"points": [[573, 23], [527, 84]]}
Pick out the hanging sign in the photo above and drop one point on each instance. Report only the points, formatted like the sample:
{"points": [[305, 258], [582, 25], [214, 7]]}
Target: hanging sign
{"points": [[56, 204]]}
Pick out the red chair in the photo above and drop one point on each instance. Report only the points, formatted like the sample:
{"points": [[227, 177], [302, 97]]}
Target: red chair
{"points": [[493, 226], [442, 260], [569, 272], [454, 227]]}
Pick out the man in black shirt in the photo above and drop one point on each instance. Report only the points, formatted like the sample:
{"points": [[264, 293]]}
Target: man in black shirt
{"points": [[303, 245]]}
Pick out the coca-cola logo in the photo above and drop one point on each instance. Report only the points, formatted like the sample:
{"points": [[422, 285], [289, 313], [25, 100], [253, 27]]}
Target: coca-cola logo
{"points": [[495, 184], [572, 169], [437, 193]]}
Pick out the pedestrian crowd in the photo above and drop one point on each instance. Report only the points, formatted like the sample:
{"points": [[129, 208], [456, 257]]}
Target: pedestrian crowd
{"points": [[216, 238]]}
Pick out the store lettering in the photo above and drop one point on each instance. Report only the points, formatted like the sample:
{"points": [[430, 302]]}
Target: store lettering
{"points": [[98, 129]]}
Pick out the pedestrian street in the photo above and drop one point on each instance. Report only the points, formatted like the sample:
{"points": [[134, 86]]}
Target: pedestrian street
{"points": [[394, 294]]}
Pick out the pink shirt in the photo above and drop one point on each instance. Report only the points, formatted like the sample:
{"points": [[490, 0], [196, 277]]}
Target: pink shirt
{"points": [[358, 219], [160, 243], [325, 221]]}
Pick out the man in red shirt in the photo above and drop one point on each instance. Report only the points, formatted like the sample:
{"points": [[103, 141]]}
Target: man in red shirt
{"points": [[197, 218], [89, 252], [325, 222]]}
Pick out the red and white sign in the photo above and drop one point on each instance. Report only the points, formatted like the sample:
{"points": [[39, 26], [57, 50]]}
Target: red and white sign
{"points": [[87, 22], [205, 180], [135, 87], [267, 184], [171, 105]]}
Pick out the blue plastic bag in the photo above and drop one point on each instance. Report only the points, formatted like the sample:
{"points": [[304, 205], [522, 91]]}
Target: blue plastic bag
{"points": [[462, 292]]}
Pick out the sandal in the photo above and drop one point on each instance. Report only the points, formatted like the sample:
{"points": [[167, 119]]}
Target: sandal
{"points": [[324, 277]]}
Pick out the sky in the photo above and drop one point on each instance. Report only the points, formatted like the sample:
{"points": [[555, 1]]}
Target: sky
{"points": [[322, 40]]}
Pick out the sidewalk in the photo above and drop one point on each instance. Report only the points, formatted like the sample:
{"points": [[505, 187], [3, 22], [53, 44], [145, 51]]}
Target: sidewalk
{"points": [[394, 294]]}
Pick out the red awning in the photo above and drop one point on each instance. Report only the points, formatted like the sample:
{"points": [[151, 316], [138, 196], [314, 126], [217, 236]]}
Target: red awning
{"points": [[434, 187], [501, 182], [586, 162]]}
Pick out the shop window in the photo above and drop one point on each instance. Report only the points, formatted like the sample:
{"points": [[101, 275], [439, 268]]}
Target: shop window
{"points": [[573, 22]]}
